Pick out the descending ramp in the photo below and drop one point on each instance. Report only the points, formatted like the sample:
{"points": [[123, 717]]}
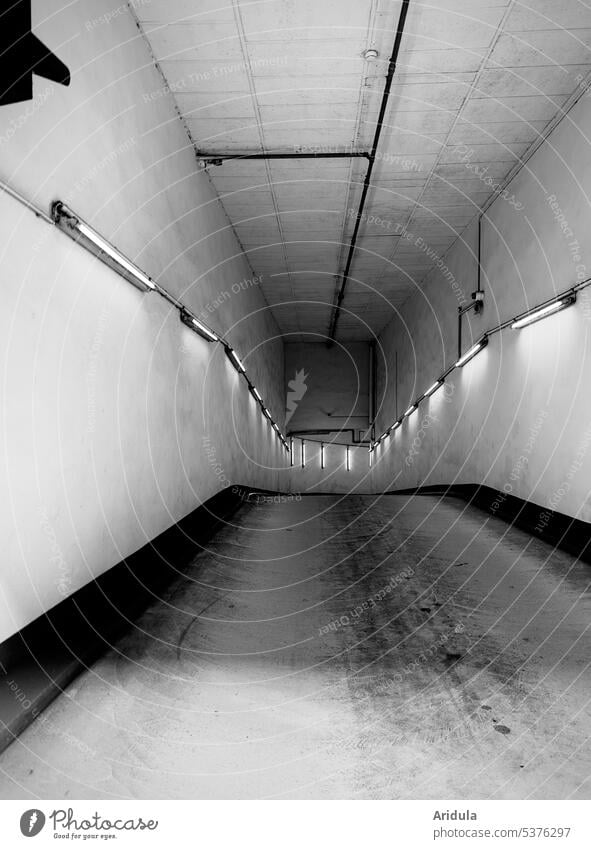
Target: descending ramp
{"points": [[336, 648]]}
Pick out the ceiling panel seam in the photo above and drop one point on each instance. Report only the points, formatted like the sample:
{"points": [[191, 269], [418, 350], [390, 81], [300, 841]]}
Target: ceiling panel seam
{"points": [[187, 130], [562, 113], [256, 106], [474, 85], [357, 138]]}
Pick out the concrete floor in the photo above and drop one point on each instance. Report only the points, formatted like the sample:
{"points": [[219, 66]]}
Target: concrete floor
{"points": [[468, 679]]}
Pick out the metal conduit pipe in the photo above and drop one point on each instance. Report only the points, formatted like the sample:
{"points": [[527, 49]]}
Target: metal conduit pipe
{"points": [[372, 158], [301, 434], [220, 158]]}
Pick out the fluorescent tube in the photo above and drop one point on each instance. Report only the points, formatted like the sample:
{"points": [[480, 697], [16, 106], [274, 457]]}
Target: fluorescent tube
{"points": [[196, 325], [542, 312], [471, 352], [73, 225]]}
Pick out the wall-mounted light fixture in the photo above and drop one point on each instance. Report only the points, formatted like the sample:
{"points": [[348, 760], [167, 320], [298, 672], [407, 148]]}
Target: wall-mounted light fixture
{"points": [[542, 312], [322, 455], [291, 451], [189, 319], [348, 457], [471, 352], [410, 410], [256, 394], [86, 236], [235, 359], [303, 453], [434, 388]]}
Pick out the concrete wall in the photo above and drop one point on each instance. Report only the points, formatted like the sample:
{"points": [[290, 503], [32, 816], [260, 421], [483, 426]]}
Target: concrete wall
{"points": [[118, 420], [518, 416], [327, 388]]}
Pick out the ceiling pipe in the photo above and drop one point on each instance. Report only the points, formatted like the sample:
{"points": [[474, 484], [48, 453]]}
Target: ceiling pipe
{"points": [[220, 158], [477, 302], [372, 158], [297, 434]]}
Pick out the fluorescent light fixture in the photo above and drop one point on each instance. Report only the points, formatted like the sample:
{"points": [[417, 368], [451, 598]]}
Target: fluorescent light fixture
{"points": [[348, 457], [410, 410], [83, 233], [291, 451], [200, 328], [471, 352], [322, 455], [256, 394], [433, 389], [303, 453], [396, 425], [542, 312], [276, 428], [235, 359], [268, 414]]}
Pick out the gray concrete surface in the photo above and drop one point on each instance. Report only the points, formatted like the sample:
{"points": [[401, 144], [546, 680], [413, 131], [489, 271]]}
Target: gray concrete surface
{"points": [[282, 667]]}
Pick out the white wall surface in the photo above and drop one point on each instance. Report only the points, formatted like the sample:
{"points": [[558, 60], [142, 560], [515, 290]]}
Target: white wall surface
{"points": [[108, 399], [518, 416]]}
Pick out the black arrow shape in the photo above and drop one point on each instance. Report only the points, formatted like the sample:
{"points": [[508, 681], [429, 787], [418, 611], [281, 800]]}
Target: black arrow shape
{"points": [[22, 54]]}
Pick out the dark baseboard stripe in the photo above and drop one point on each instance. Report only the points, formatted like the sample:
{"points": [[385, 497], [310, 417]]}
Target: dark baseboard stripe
{"points": [[557, 529], [38, 662]]}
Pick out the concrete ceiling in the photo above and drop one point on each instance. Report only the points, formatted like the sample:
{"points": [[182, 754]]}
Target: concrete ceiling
{"points": [[289, 75]]}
